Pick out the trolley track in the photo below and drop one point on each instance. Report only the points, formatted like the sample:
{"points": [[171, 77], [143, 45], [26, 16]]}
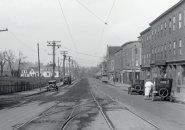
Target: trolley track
{"points": [[134, 113]]}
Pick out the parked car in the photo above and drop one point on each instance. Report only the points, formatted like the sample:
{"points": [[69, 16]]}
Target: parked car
{"points": [[104, 78], [162, 88], [137, 86], [67, 80], [52, 85]]}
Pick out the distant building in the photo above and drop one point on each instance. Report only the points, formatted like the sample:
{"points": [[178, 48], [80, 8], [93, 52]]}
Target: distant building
{"points": [[34, 72], [131, 61], [111, 50]]}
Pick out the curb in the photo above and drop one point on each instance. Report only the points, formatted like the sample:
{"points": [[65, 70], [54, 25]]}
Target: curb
{"points": [[116, 86]]}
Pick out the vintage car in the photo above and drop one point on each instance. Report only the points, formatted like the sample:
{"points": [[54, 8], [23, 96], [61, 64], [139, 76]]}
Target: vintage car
{"points": [[67, 80], [104, 79], [52, 85], [136, 86], [162, 88]]}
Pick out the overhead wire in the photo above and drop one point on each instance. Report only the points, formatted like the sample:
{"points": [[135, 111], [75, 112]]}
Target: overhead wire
{"points": [[100, 19], [106, 21], [67, 24], [81, 52], [23, 43]]}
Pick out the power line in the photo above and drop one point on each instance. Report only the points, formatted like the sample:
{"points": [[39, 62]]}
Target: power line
{"points": [[110, 11], [100, 19], [19, 40], [81, 52], [67, 23]]}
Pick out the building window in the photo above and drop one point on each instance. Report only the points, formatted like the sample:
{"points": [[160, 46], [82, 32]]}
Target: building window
{"points": [[174, 47], [184, 17], [170, 47], [47, 74], [180, 47], [158, 31], [161, 30], [165, 50], [165, 28], [180, 20], [170, 25], [174, 20]]}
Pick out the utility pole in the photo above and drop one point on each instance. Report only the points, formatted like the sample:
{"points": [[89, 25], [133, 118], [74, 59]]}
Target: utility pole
{"points": [[59, 67], [53, 44], [64, 58], [39, 66], [134, 62], [69, 71], [3, 30]]}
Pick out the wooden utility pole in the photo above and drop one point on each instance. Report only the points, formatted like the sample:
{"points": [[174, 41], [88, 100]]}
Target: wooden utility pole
{"points": [[69, 61], [39, 66], [64, 58], [53, 44], [59, 67]]}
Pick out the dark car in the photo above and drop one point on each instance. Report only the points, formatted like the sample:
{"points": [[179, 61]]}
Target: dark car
{"points": [[162, 88], [137, 86], [52, 85], [67, 80]]}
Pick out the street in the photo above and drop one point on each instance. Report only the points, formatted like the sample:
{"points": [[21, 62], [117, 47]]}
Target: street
{"points": [[89, 104]]}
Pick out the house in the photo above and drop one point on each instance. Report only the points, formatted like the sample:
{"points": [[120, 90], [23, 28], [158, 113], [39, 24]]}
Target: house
{"points": [[46, 71], [165, 40]]}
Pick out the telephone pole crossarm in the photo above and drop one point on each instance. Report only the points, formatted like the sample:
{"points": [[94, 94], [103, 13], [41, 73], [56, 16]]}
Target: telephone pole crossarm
{"points": [[53, 44]]}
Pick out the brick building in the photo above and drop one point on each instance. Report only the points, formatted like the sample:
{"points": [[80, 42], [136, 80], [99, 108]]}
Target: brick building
{"points": [[118, 63], [131, 61], [111, 50], [163, 46]]}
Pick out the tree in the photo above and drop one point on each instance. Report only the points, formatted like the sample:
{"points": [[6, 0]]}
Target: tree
{"points": [[20, 62], [10, 58], [2, 61]]}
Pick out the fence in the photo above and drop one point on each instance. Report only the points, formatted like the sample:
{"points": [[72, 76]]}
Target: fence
{"points": [[18, 85]]}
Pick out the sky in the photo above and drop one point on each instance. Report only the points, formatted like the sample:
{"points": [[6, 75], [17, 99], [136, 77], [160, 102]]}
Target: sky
{"points": [[84, 27]]}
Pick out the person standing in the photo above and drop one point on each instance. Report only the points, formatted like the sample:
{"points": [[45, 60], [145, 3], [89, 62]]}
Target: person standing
{"points": [[148, 87]]}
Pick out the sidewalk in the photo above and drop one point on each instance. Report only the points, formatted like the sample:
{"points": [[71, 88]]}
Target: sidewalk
{"points": [[23, 93], [179, 97], [27, 93]]}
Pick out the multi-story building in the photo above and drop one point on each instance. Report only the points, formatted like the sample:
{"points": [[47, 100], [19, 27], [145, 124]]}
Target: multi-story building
{"points": [[118, 63], [131, 61], [146, 53], [165, 38], [111, 50]]}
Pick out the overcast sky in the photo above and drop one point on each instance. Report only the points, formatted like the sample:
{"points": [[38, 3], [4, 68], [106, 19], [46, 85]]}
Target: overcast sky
{"points": [[38, 21]]}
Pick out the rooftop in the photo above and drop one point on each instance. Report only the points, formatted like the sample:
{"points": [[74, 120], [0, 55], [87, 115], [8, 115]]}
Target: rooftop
{"points": [[130, 42], [167, 11]]}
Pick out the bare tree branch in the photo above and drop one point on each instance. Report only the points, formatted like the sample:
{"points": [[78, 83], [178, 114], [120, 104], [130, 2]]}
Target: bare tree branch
{"points": [[2, 61]]}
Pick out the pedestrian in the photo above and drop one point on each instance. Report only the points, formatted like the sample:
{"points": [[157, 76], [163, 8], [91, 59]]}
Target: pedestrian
{"points": [[148, 86]]}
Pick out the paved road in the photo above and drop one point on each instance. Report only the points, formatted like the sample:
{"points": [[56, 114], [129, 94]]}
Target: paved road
{"points": [[166, 115], [90, 104]]}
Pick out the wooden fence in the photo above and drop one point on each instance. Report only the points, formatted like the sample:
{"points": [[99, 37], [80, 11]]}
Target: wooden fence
{"points": [[18, 87], [9, 86]]}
